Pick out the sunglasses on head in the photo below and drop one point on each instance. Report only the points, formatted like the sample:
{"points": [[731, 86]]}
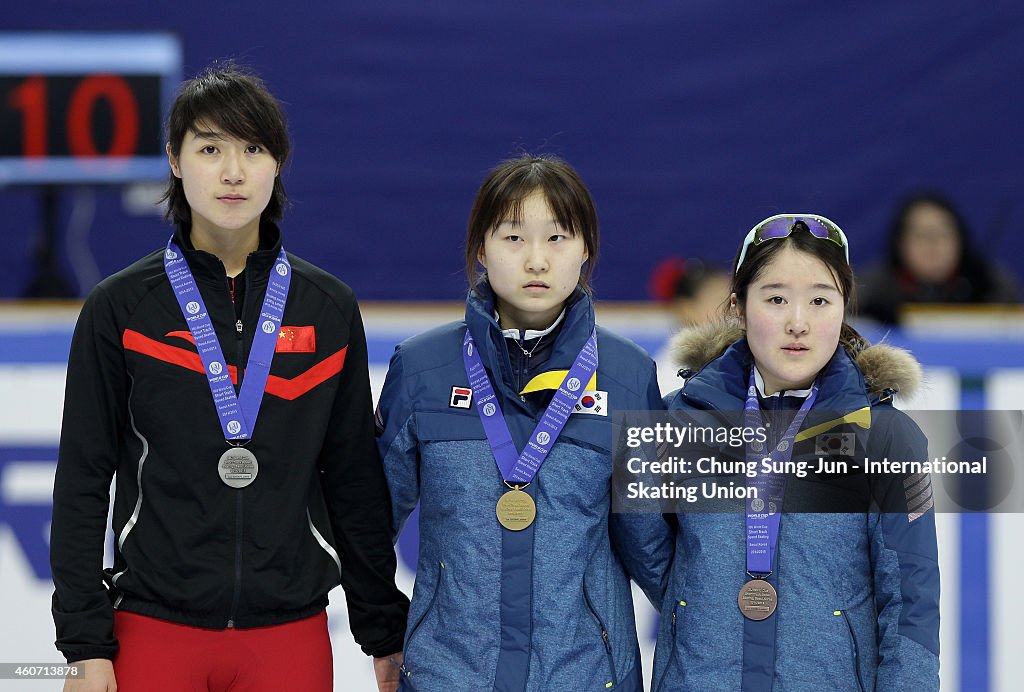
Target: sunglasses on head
{"points": [[782, 225]]}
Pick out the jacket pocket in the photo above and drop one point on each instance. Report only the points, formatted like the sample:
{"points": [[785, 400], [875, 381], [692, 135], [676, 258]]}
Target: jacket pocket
{"points": [[675, 625], [442, 426], [605, 638], [406, 671], [592, 432], [854, 649]]}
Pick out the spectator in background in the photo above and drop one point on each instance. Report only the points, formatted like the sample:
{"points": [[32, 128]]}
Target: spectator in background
{"points": [[930, 260], [694, 292]]}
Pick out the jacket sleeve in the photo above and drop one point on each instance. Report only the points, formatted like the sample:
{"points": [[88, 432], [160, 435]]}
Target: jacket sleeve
{"points": [[904, 556], [95, 413], [644, 541], [357, 500], [396, 440]]}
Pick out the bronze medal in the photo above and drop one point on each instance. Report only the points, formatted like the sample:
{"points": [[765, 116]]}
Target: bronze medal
{"points": [[516, 510], [758, 599]]}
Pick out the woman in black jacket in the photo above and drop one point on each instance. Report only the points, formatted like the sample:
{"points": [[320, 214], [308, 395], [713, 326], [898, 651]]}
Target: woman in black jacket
{"points": [[223, 384]]}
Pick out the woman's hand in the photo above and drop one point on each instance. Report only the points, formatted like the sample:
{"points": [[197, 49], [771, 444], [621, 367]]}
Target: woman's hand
{"points": [[388, 672], [97, 676]]}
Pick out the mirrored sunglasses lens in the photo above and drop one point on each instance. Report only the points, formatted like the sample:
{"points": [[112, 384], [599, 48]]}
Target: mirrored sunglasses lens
{"points": [[818, 229], [778, 228]]}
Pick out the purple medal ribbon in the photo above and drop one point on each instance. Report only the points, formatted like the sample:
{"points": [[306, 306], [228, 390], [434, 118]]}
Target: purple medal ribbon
{"points": [[520, 469], [763, 523], [237, 414]]}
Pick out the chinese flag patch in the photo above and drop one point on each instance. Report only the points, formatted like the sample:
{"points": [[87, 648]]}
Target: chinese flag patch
{"points": [[296, 340]]}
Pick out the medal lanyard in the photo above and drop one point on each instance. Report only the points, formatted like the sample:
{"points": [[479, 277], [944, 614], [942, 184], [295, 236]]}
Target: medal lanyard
{"points": [[520, 469], [237, 413], [762, 519]]}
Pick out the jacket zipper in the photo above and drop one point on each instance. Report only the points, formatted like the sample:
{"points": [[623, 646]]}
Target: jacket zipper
{"points": [[239, 528], [238, 559], [675, 644], [611, 659], [513, 372], [604, 638], [856, 651], [412, 632]]}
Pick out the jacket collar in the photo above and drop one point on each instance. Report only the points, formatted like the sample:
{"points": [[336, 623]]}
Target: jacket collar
{"points": [[208, 269], [787, 393], [722, 383], [530, 334], [577, 325], [885, 368]]}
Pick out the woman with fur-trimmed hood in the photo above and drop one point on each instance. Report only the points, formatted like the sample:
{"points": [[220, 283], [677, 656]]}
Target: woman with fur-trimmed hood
{"points": [[824, 576]]}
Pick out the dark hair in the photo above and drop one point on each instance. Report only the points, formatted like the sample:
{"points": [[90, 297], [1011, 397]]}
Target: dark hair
{"points": [[834, 257], [227, 97], [675, 277], [970, 263], [501, 196]]}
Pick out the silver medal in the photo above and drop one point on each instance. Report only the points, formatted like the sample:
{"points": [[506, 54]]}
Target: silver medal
{"points": [[238, 467]]}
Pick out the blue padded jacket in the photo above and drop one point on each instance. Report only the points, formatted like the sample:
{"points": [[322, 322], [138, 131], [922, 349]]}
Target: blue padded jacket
{"points": [[858, 592], [546, 608]]}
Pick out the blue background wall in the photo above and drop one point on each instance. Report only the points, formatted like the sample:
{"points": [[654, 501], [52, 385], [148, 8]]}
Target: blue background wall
{"points": [[689, 121]]}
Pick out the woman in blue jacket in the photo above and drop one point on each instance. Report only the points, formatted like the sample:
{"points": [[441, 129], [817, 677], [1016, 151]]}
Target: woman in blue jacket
{"points": [[500, 426], [769, 597]]}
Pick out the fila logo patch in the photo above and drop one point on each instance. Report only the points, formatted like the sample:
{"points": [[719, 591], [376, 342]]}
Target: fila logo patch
{"points": [[594, 402], [460, 398]]}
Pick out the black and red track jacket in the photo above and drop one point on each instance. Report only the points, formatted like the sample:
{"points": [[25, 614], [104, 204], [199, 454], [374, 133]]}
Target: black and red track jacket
{"points": [[187, 548]]}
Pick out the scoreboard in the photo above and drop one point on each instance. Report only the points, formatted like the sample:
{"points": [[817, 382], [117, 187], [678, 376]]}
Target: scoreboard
{"points": [[85, 108]]}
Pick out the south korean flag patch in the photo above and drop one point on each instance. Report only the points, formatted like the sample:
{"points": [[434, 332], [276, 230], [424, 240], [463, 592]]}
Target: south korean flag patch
{"points": [[835, 444], [593, 402]]}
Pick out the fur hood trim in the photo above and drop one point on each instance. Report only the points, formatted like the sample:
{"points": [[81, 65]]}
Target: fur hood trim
{"points": [[884, 366]]}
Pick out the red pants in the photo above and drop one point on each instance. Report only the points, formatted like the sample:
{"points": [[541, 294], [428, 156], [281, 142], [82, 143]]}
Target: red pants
{"points": [[161, 656]]}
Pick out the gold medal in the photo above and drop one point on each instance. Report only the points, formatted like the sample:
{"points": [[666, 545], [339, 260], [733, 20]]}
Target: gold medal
{"points": [[758, 599], [516, 510]]}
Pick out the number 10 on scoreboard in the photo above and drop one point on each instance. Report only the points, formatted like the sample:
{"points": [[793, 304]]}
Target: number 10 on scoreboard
{"points": [[80, 108]]}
